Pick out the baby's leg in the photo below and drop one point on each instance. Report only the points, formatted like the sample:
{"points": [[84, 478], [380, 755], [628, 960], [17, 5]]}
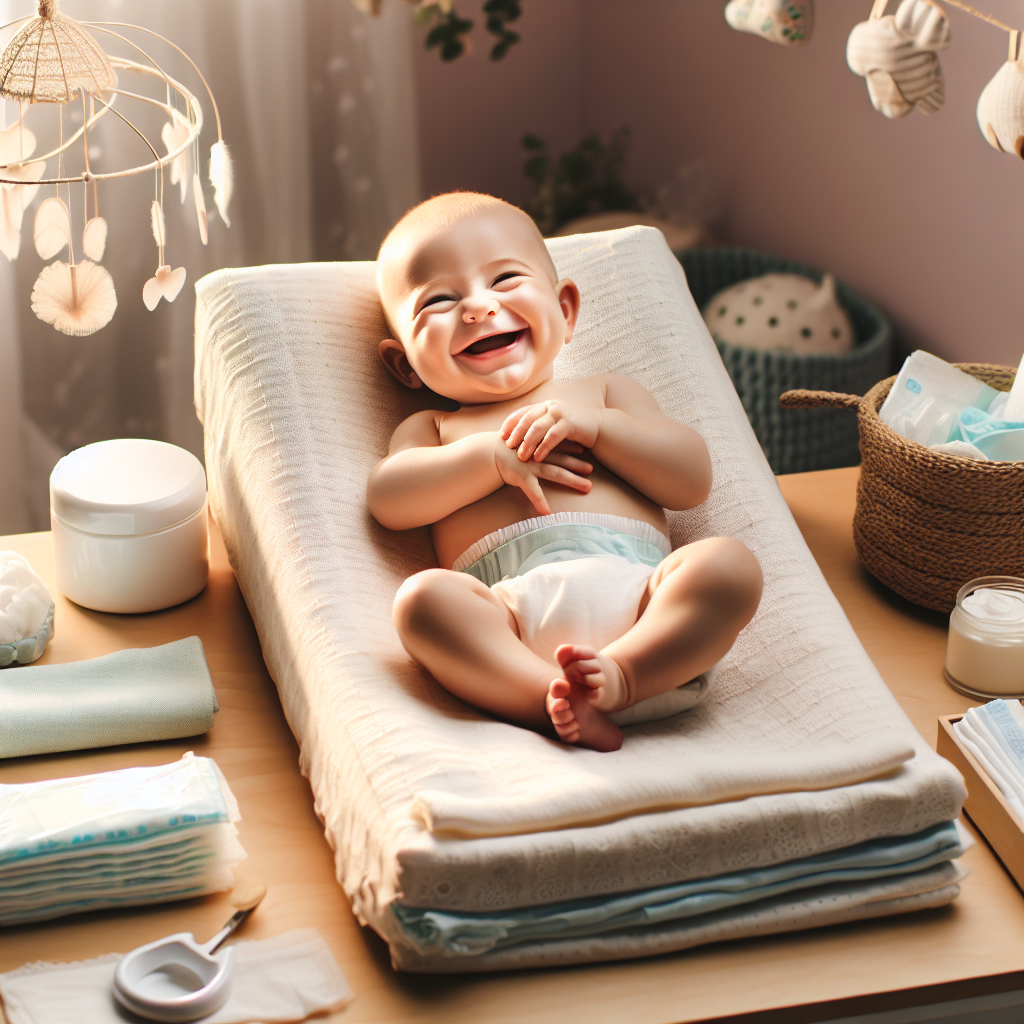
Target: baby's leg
{"points": [[465, 637], [696, 603]]}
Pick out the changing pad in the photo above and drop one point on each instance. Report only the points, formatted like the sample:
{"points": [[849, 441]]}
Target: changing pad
{"points": [[411, 782]]}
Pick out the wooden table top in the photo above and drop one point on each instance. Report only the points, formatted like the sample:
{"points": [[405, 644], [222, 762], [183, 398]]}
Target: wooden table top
{"points": [[973, 947]]}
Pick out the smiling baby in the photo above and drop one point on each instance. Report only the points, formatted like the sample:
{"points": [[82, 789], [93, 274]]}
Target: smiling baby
{"points": [[560, 600]]}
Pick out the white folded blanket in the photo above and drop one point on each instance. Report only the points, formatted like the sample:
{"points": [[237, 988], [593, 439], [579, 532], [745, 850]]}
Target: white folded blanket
{"points": [[297, 409]]}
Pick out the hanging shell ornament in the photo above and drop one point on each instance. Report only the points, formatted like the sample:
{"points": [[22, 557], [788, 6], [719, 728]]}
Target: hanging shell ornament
{"points": [[52, 231], [17, 143], [1001, 105], [165, 284], [94, 239], [78, 299], [53, 59], [898, 56], [789, 22]]}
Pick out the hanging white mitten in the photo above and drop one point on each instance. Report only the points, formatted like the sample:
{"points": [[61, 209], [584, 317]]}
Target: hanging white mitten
{"points": [[789, 22], [897, 55], [1001, 104]]}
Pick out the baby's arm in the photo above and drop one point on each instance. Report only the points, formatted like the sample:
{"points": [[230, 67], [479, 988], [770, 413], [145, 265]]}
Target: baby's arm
{"points": [[421, 481], [662, 459]]}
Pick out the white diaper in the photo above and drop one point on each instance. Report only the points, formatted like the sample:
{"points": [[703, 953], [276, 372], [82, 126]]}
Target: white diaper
{"points": [[578, 578]]}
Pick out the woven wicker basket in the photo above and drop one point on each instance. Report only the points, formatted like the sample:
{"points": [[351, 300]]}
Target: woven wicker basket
{"points": [[928, 523], [793, 442]]}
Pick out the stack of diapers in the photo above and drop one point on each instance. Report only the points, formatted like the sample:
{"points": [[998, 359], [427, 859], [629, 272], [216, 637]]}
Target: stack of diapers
{"points": [[117, 839], [797, 794]]}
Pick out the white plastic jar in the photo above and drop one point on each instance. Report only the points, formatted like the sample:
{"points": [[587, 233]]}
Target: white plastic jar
{"points": [[985, 651], [129, 525]]}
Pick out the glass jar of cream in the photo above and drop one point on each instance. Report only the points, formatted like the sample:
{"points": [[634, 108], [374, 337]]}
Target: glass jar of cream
{"points": [[985, 652]]}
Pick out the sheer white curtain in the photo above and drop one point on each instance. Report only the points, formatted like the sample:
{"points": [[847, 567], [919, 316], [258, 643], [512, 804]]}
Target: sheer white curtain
{"points": [[318, 108]]}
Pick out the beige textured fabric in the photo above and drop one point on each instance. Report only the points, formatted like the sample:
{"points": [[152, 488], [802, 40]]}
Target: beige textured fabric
{"points": [[297, 409]]}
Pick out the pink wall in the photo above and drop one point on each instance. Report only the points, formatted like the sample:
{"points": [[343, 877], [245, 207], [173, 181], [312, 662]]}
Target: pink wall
{"points": [[921, 215], [474, 111]]}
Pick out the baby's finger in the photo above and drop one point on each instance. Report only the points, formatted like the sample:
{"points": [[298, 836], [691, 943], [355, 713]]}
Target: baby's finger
{"points": [[558, 475], [574, 465], [538, 430], [532, 489], [511, 420], [527, 417], [554, 437]]}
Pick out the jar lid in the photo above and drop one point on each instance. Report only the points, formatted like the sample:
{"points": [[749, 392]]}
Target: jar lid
{"points": [[127, 486]]}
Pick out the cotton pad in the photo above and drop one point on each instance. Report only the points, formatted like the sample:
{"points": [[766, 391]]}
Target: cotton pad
{"points": [[26, 611]]}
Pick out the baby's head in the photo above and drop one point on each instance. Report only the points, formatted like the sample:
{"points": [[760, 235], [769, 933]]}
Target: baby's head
{"points": [[472, 297]]}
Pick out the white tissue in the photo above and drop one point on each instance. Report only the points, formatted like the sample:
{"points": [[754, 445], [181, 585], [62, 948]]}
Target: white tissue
{"points": [[964, 449], [287, 978], [1014, 411], [24, 599]]}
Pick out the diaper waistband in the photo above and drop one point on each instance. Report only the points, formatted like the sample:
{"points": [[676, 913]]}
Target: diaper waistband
{"points": [[514, 550]]}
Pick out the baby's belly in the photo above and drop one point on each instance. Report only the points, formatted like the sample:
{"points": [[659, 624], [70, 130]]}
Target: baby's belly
{"points": [[610, 496]]}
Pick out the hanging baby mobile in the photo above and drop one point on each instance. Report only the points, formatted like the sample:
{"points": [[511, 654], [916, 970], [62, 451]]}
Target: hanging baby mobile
{"points": [[57, 61], [898, 57]]}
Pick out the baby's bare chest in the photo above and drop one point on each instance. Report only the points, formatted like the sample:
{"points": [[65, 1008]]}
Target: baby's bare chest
{"points": [[477, 419]]}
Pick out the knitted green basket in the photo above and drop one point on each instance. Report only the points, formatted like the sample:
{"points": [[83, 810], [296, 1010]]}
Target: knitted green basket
{"points": [[794, 441]]}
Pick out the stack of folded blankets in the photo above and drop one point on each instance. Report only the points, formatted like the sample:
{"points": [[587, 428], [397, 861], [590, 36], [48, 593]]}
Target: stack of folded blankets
{"points": [[124, 838], [797, 795]]}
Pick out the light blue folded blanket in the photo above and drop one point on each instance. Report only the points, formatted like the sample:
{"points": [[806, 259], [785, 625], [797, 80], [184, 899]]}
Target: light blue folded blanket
{"points": [[133, 696], [439, 933]]}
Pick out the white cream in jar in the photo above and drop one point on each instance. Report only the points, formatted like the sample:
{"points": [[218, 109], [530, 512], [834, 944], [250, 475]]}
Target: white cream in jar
{"points": [[129, 525], [985, 652]]}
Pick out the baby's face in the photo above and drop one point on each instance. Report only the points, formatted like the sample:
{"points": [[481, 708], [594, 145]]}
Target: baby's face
{"points": [[478, 312]]}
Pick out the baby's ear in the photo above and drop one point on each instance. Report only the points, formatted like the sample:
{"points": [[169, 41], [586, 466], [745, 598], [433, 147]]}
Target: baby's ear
{"points": [[395, 359], [569, 300]]}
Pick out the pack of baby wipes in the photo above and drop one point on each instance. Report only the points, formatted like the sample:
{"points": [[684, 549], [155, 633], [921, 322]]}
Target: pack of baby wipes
{"points": [[939, 406], [124, 838]]}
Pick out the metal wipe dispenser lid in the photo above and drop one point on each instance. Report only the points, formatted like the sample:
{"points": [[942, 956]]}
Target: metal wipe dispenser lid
{"points": [[127, 487]]}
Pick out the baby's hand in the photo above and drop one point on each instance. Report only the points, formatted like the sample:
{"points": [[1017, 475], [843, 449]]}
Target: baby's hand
{"points": [[560, 467], [537, 430]]}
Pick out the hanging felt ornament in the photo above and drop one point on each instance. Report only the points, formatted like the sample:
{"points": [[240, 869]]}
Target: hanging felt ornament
{"points": [[897, 55], [177, 134], [789, 22], [1001, 104], [222, 178], [197, 194]]}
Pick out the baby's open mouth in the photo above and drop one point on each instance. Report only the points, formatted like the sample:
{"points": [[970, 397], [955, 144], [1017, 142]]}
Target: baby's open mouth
{"points": [[492, 342]]}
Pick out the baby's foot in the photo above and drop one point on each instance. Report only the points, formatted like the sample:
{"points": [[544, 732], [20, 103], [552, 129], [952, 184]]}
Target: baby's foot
{"points": [[600, 677], [576, 720]]}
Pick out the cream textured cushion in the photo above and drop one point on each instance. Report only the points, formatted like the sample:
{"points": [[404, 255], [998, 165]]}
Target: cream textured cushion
{"points": [[297, 409]]}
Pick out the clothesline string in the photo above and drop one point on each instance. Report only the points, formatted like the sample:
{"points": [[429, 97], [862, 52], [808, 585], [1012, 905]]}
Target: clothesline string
{"points": [[980, 14]]}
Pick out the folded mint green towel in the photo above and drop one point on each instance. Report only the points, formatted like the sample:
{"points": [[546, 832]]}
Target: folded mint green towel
{"points": [[155, 693]]}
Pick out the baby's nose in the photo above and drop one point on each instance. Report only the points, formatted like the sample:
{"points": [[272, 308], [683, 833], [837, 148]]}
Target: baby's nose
{"points": [[474, 312]]}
